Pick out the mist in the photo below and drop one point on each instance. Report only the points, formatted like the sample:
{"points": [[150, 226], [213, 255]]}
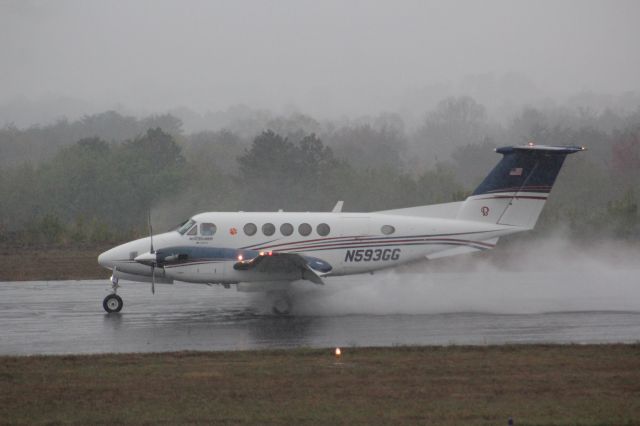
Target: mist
{"points": [[112, 110], [543, 276], [326, 59]]}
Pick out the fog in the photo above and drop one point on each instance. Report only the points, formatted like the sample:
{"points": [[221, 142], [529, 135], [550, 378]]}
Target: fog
{"points": [[404, 102], [543, 276], [327, 59]]}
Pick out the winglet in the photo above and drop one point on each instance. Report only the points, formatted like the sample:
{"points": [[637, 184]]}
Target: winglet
{"points": [[338, 207]]}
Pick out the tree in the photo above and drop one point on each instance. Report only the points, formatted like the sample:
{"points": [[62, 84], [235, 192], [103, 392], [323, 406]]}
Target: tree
{"points": [[149, 168], [214, 150], [365, 146], [276, 173], [268, 171], [473, 161], [456, 121], [625, 164]]}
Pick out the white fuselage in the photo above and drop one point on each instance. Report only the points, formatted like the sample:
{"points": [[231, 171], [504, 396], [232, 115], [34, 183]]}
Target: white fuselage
{"points": [[351, 243]]}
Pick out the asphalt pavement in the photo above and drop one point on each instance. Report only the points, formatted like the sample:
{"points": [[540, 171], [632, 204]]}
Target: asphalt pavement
{"points": [[63, 317]]}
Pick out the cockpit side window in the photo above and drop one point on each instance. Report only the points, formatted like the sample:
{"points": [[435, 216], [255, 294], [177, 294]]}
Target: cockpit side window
{"points": [[186, 226], [207, 229]]}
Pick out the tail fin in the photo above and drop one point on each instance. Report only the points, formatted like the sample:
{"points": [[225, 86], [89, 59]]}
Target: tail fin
{"points": [[516, 190]]}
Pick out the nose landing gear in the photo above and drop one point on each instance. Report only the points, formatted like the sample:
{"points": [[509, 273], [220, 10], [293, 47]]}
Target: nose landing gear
{"points": [[113, 302]]}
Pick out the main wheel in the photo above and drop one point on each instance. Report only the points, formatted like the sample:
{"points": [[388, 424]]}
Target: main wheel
{"points": [[282, 306], [112, 303]]}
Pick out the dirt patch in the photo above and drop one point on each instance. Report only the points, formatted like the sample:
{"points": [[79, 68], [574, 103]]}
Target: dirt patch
{"points": [[51, 263]]}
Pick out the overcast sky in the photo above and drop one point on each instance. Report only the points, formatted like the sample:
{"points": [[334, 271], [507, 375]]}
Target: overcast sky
{"points": [[325, 57]]}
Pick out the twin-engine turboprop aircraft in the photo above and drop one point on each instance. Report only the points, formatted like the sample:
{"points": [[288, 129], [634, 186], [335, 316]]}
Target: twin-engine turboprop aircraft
{"points": [[268, 251]]}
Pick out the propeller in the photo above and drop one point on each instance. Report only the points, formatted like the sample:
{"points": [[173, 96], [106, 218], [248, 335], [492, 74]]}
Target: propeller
{"points": [[155, 261], [152, 259]]}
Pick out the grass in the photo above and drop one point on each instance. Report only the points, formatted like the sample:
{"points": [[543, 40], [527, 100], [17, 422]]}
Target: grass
{"points": [[537, 384]]}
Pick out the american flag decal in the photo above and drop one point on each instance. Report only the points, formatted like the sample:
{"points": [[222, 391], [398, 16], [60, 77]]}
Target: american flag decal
{"points": [[517, 171]]}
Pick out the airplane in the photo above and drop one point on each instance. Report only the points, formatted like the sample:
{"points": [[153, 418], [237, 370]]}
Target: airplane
{"points": [[268, 251]]}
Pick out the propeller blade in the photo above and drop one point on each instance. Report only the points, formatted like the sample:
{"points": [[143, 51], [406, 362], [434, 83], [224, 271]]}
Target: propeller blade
{"points": [[153, 279], [150, 232], [154, 262]]}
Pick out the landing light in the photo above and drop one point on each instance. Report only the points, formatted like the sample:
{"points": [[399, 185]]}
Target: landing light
{"points": [[240, 257], [338, 353], [261, 253], [531, 144]]}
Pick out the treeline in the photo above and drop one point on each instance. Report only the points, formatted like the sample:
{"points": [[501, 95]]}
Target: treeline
{"points": [[40, 143], [100, 186]]}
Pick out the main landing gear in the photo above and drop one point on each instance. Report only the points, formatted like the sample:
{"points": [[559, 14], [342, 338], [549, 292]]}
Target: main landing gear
{"points": [[281, 304], [113, 302]]}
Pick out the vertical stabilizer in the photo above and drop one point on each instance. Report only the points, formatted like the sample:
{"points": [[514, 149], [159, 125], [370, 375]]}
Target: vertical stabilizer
{"points": [[516, 190]]}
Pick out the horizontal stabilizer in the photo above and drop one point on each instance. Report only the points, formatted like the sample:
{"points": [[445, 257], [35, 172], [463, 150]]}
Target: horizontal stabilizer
{"points": [[488, 245]]}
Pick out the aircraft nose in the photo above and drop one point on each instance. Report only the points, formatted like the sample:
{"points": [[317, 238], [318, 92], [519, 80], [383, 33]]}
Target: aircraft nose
{"points": [[107, 259]]}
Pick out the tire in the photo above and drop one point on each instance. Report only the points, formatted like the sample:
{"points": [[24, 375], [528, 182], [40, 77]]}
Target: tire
{"points": [[112, 303], [282, 306]]}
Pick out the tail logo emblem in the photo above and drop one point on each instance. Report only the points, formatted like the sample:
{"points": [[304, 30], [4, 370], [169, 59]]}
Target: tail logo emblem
{"points": [[484, 210]]}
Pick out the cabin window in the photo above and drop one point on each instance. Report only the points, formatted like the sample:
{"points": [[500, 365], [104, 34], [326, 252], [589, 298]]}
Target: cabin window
{"points": [[304, 229], [250, 229], [193, 231], [185, 226], [268, 229], [207, 229], [323, 229], [387, 229], [286, 229]]}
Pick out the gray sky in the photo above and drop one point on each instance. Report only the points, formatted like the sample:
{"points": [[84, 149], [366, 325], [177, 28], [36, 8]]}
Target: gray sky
{"points": [[324, 57]]}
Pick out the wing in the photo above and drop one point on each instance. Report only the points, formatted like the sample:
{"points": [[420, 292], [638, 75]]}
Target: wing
{"points": [[312, 269]]}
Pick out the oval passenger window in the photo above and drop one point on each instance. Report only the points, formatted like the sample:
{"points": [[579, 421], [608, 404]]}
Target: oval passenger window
{"points": [[388, 229], [250, 229], [304, 229], [323, 229], [268, 229], [286, 229]]}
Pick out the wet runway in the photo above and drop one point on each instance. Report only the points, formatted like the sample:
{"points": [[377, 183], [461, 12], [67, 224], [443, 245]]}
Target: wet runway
{"points": [[390, 309]]}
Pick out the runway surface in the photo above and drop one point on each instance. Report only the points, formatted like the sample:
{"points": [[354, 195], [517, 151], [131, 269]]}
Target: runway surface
{"points": [[490, 307]]}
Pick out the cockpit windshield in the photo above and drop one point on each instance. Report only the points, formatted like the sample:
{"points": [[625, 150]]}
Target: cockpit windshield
{"points": [[185, 227]]}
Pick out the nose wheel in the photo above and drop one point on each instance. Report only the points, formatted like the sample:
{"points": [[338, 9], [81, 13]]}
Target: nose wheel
{"points": [[112, 303]]}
